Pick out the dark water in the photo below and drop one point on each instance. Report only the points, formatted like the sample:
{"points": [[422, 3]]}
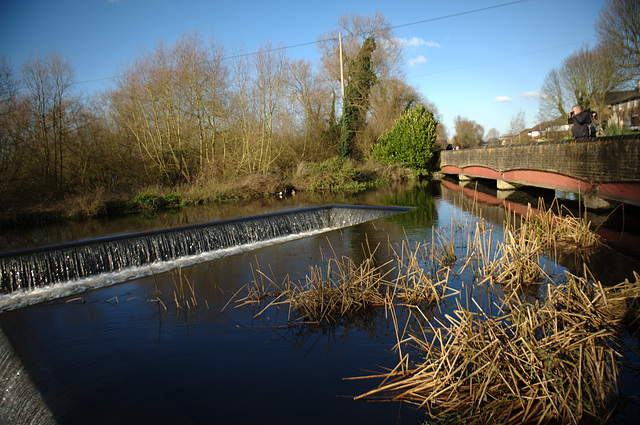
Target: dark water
{"points": [[113, 355]]}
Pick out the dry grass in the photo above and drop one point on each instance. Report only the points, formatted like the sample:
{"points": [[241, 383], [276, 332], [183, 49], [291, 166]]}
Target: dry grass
{"points": [[553, 362], [516, 260], [341, 289], [559, 230], [183, 295]]}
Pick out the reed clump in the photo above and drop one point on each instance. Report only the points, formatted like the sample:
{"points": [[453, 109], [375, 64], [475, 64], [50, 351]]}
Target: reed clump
{"points": [[548, 362], [558, 229], [340, 290], [517, 259], [549, 358]]}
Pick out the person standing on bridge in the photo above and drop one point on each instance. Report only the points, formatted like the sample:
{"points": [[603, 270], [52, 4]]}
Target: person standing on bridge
{"points": [[580, 120]]}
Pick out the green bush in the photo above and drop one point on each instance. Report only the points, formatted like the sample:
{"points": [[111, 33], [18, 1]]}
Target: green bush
{"points": [[410, 140], [616, 130], [332, 175]]}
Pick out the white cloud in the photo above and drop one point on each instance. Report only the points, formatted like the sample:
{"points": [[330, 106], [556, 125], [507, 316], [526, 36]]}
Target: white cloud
{"points": [[531, 94], [417, 61], [503, 99], [417, 42]]}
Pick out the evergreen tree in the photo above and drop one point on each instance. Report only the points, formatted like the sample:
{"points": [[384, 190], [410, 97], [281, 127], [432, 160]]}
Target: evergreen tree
{"points": [[410, 141], [360, 79]]}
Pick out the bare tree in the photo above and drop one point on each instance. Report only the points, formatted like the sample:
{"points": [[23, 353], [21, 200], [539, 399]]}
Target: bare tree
{"points": [[11, 142], [584, 78], [517, 125], [355, 29], [553, 99], [589, 74], [312, 102], [390, 100], [173, 102], [8, 83], [48, 81], [270, 66], [618, 27], [205, 82], [243, 128], [493, 136], [468, 132]]}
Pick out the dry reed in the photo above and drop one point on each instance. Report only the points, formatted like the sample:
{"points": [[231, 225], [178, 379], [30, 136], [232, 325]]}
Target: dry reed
{"points": [[516, 262], [544, 361], [184, 295], [340, 289], [552, 362]]}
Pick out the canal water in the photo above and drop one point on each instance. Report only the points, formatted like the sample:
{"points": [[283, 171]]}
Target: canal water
{"points": [[117, 355]]}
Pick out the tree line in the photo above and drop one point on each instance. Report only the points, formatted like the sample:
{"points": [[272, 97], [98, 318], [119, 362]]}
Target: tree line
{"points": [[587, 75], [583, 78], [197, 111]]}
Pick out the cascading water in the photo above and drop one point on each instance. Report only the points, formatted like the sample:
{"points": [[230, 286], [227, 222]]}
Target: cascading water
{"points": [[36, 268]]}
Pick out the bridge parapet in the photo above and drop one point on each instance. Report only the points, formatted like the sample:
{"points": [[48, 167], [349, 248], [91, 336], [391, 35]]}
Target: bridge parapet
{"points": [[607, 167]]}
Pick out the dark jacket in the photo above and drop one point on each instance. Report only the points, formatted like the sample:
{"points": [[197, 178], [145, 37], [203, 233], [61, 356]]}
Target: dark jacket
{"points": [[580, 123]]}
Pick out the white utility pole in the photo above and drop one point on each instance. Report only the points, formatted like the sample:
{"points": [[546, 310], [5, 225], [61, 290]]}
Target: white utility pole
{"points": [[341, 66]]}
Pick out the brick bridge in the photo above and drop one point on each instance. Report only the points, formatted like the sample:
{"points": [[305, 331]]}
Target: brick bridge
{"points": [[601, 169]]}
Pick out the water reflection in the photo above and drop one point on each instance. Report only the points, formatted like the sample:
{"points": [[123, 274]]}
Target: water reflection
{"points": [[611, 263]]}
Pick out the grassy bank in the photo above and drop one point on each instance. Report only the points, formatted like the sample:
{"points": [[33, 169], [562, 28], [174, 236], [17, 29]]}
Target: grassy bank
{"points": [[333, 175]]}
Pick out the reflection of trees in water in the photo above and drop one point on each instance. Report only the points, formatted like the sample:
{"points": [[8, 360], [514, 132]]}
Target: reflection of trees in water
{"points": [[422, 197], [373, 324]]}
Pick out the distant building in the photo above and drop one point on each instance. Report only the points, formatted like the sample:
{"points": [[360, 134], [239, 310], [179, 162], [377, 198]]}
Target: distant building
{"points": [[624, 107], [548, 130]]}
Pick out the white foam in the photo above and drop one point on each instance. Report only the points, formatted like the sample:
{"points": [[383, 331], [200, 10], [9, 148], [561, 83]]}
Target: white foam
{"points": [[24, 298]]}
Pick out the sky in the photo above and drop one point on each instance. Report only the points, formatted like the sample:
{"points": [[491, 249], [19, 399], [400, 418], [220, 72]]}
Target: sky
{"points": [[484, 60]]}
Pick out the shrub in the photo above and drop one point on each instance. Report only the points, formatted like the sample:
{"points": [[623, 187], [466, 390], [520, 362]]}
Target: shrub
{"points": [[410, 140], [616, 130]]}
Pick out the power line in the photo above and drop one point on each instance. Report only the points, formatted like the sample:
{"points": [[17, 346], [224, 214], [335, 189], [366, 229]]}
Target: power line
{"points": [[546, 49], [309, 43]]}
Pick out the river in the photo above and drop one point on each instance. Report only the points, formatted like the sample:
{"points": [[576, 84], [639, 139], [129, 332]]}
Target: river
{"points": [[114, 355]]}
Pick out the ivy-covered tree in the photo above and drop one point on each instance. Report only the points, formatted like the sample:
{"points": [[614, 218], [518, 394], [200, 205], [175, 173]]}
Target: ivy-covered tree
{"points": [[410, 140], [360, 79]]}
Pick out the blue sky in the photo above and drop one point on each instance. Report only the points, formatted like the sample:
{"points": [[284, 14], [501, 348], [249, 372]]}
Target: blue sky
{"points": [[484, 65]]}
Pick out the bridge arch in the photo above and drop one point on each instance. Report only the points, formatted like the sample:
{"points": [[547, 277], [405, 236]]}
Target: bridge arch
{"points": [[605, 167]]}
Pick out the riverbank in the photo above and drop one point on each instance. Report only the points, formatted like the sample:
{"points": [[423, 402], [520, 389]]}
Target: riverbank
{"points": [[331, 176]]}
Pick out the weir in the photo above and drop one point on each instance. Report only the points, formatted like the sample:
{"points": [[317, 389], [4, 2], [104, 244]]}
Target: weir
{"points": [[20, 401], [29, 269]]}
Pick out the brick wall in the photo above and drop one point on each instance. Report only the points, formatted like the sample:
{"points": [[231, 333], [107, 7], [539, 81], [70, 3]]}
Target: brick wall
{"points": [[603, 159]]}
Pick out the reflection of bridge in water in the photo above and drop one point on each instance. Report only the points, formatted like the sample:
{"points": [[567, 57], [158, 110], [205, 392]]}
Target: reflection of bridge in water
{"points": [[602, 169], [607, 265]]}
